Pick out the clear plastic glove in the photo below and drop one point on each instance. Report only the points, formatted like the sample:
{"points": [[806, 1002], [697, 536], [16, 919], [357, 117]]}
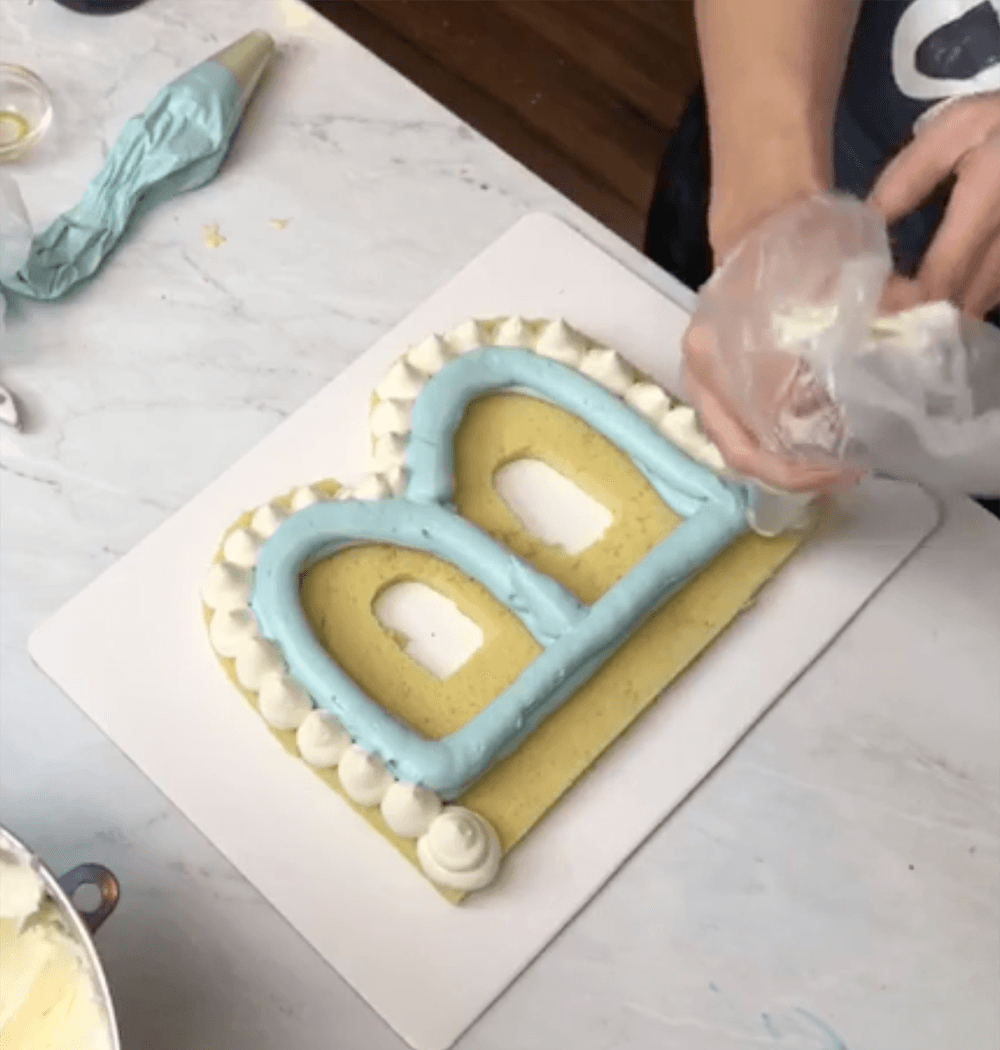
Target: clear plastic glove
{"points": [[923, 396], [962, 262], [764, 397], [800, 383]]}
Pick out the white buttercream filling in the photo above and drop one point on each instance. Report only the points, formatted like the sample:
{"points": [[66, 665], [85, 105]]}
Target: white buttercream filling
{"points": [[430, 356], [607, 368], [395, 479], [388, 451], [558, 339], [283, 702], [257, 658], [391, 417], [561, 343], [322, 740], [680, 425], [242, 548], [231, 629], [513, 331], [304, 497], [409, 809], [49, 995], [374, 487], [402, 382], [266, 520], [460, 850], [363, 776], [470, 335], [649, 400], [227, 586]]}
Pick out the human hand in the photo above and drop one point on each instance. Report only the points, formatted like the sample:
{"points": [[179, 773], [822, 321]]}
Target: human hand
{"points": [[768, 325], [962, 263], [742, 448]]}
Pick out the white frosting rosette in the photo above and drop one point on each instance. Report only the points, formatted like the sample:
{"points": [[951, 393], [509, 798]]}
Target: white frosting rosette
{"points": [[460, 850]]}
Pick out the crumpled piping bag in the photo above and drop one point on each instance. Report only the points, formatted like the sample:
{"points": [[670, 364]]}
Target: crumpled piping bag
{"points": [[178, 143]]}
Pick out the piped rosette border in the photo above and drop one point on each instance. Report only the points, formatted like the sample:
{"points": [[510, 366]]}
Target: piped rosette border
{"points": [[456, 847], [395, 395]]}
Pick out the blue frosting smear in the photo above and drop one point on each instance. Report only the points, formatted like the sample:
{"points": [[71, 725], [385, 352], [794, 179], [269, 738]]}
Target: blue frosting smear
{"points": [[576, 639]]}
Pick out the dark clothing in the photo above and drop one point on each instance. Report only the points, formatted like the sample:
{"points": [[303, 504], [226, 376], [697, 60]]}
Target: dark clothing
{"points": [[900, 51]]}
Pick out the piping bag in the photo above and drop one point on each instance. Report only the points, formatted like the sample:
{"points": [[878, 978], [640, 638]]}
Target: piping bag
{"points": [[178, 143], [816, 373]]}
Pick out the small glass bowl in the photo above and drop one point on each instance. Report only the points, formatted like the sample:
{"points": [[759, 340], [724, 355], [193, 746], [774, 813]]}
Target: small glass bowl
{"points": [[25, 111]]}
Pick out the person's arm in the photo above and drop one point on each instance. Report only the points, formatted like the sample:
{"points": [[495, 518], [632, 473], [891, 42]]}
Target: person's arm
{"points": [[773, 71]]}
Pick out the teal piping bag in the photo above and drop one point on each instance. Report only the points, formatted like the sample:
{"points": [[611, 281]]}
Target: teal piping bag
{"points": [[177, 144]]}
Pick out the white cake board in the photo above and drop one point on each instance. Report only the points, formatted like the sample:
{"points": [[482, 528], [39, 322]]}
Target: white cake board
{"points": [[131, 652]]}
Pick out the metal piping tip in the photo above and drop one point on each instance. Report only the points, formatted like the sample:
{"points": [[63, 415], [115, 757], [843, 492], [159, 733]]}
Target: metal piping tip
{"points": [[247, 59]]}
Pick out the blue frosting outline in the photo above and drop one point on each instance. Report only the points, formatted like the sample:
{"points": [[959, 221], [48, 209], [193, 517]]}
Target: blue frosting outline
{"points": [[576, 639]]}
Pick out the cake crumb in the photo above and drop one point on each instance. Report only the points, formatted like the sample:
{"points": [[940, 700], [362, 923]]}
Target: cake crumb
{"points": [[278, 224], [211, 236]]}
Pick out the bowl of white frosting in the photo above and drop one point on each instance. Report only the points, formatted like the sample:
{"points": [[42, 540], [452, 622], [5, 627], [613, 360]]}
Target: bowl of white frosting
{"points": [[53, 992]]}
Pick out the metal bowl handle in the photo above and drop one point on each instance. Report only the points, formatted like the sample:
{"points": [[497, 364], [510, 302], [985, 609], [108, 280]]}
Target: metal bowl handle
{"points": [[92, 875]]}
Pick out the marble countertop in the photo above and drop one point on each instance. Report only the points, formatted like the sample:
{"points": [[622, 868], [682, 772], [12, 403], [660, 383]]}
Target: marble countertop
{"points": [[833, 884]]}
